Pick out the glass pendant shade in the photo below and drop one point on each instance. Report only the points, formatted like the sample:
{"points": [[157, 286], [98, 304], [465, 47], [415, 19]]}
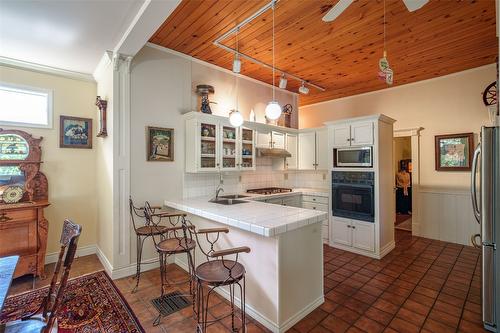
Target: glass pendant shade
{"points": [[236, 118], [273, 110], [236, 64]]}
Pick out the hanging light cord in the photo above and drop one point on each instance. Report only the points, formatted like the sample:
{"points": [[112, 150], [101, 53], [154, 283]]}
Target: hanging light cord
{"points": [[384, 31], [237, 81], [274, 4]]}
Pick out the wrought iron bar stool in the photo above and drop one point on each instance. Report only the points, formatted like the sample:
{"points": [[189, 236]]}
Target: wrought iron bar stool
{"points": [[217, 272], [146, 230], [176, 240]]}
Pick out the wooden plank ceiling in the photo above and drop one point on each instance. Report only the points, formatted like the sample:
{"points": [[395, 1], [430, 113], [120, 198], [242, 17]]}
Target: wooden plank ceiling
{"points": [[442, 37]]}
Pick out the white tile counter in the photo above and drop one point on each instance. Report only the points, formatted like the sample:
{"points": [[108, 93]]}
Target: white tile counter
{"points": [[257, 217]]}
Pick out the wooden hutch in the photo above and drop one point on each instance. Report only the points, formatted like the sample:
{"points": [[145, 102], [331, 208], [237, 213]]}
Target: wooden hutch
{"points": [[23, 197]]}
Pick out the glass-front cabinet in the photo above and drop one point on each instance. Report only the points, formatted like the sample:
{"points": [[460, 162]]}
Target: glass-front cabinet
{"points": [[213, 144]]}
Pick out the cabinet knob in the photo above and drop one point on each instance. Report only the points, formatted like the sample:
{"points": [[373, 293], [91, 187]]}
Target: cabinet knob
{"points": [[348, 226]]}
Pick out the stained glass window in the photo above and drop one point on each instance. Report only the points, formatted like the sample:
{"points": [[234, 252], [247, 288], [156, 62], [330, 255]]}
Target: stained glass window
{"points": [[13, 147]]}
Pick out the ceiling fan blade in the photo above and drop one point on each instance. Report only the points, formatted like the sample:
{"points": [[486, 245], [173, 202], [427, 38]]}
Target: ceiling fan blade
{"points": [[413, 5], [336, 10]]}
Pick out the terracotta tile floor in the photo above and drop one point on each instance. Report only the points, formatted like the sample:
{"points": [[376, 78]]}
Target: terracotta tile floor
{"points": [[422, 286]]}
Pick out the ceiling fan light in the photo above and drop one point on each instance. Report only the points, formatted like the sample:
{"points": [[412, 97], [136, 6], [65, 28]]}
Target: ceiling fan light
{"points": [[303, 89], [273, 110], [235, 118], [236, 64], [283, 82]]}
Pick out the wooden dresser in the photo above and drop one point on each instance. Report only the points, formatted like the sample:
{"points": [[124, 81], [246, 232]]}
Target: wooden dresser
{"points": [[23, 197], [23, 231]]}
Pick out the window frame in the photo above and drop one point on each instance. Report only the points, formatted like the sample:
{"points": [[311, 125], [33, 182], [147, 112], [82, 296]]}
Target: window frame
{"points": [[50, 105]]}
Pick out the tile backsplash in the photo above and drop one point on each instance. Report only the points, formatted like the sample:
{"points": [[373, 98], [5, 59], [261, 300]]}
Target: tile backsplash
{"points": [[264, 176]]}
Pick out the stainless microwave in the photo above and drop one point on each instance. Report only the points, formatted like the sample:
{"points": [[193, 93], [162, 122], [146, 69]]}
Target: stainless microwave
{"points": [[353, 157]]}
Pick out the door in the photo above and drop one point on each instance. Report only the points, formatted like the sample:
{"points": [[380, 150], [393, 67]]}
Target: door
{"points": [[322, 149], [291, 147], [362, 133], [307, 151], [278, 140], [342, 135], [363, 235], [263, 139], [342, 233]]}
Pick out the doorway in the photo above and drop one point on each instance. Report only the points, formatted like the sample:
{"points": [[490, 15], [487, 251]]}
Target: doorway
{"points": [[403, 168]]}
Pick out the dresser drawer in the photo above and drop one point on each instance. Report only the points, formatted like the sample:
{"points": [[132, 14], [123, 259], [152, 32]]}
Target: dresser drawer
{"points": [[17, 215], [315, 206], [313, 198]]}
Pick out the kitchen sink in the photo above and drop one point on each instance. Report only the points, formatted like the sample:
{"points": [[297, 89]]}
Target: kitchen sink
{"points": [[227, 201], [232, 196]]}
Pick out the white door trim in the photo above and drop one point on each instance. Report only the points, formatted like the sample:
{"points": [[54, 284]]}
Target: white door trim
{"points": [[414, 133]]}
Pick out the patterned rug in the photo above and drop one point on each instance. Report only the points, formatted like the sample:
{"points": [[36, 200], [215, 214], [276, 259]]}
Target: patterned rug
{"points": [[92, 303]]}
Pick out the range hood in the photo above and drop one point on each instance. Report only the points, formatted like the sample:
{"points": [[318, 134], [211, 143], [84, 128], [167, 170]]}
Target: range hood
{"points": [[273, 152]]}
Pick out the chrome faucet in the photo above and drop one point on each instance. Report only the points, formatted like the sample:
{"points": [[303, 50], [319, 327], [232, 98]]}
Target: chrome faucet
{"points": [[217, 191]]}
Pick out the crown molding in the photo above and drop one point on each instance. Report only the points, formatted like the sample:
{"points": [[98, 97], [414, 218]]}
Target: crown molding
{"points": [[20, 64]]}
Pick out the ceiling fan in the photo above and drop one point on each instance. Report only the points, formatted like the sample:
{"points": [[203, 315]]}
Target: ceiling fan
{"points": [[342, 5]]}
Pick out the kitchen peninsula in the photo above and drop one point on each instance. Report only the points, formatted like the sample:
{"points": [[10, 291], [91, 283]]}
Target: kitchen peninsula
{"points": [[284, 279]]}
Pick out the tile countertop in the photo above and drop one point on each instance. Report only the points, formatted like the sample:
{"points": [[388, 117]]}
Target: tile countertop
{"points": [[258, 217]]}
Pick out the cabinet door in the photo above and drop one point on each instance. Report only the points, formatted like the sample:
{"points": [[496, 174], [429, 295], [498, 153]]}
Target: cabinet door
{"points": [[307, 151], [363, 235], [278, 140], [342, 233], [342, 135], [263, 139], [291, 147], [209, 158], [322, 149], [247, 149], [229, 147], [362, 133]]}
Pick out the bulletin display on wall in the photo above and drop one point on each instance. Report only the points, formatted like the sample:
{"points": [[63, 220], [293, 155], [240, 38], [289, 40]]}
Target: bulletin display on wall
{"points": [[160, 144]]}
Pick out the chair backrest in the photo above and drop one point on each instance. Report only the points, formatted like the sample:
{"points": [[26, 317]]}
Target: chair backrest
{"points": [[135, 212], [69, 242]]}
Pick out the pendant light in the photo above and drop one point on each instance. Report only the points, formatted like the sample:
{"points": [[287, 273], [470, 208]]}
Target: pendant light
{"points": [[273, 109], [385, 71], [235, 116], [237, 61], [283, 81]]}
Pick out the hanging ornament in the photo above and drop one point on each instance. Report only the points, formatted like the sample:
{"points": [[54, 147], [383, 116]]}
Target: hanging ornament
{"points": [[385, 71]]}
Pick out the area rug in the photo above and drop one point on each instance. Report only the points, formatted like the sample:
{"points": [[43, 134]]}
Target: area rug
{"points": [[92, 303]]}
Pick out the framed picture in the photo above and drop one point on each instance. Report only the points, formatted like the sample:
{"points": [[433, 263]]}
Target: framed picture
{"points": [[75, 132], [160, 144], [454, 152]]}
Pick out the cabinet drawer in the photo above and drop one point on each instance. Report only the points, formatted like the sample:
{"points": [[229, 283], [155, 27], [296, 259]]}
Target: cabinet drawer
{"points": [[17, 215], [315, 206], [313, 198]]}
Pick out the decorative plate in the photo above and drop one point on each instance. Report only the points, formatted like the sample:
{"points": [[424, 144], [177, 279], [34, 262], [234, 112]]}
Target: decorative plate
{"points": [[12, 194]]}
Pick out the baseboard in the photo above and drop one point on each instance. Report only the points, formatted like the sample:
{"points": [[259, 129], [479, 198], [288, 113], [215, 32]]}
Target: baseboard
{"points": [[387, 249], [354, 250], [301, 314], [104, 261], [131, 269], [252, 312], [81, 251]]}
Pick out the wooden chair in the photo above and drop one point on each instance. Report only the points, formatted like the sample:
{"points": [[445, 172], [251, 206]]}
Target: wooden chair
{"points": [[217, 272], [177, 240], [143, 232], [43, 320]]}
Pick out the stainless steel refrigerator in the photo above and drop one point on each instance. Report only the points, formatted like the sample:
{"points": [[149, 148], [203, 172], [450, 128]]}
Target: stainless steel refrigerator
{"points": [[486, 206]]}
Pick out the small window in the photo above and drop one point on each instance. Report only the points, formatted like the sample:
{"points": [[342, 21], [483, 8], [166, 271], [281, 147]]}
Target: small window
{"points": [[25, 106]]}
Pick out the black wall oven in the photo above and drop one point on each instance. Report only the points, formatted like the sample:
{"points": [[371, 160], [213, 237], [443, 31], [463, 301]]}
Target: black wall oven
{"points": [[353, 195]]}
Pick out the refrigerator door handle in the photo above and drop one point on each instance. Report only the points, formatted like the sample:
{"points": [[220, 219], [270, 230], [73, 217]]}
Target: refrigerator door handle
{"points": [[473, 189]]}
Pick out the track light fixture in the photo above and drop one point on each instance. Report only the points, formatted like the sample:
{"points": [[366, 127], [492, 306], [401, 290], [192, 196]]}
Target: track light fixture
{"points": [[283, 81], [303, 89]]}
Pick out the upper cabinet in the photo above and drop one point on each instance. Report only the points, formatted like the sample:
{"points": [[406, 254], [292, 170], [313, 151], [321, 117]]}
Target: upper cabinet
{"points": [[214, 145], [353, 134], [277, 140], [291, 163], [270, 139], [313, 150]]}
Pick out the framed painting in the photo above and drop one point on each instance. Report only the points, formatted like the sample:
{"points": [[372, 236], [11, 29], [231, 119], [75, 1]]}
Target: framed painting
{"points": [[75, 132], [454, 152], [160, 144]]}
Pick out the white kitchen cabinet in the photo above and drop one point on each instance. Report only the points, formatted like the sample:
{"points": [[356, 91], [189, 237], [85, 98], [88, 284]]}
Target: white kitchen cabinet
{"points": [[341, 233], [247, 148], [322, 153], [361, 133], [291, 163], [353, 233], [263, 139], [353, 134], [363, 235], [277, 140], [307, 151]]}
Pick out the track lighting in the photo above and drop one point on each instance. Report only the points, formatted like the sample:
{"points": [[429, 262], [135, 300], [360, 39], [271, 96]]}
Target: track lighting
{"points": [[303, 89], [235, 118], [283, 81], [236, 64]]}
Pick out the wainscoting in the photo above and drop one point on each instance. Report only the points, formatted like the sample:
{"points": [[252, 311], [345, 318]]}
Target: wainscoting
{"points": [[446, 214]]}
